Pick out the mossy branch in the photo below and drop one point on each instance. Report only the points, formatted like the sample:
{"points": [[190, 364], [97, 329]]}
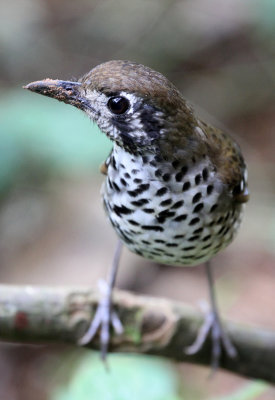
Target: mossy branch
{"points": [[152, 326]]}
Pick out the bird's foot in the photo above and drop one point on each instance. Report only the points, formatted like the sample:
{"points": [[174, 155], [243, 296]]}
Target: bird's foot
{"points": [[104, 319], [220, 339]]}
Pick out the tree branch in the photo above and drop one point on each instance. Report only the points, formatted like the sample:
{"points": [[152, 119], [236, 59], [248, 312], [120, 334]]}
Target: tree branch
{"points": [[152, 326]]}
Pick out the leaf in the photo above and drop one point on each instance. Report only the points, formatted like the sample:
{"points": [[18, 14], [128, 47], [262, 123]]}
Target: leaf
{"points": [[128, 377], [53, 136]]}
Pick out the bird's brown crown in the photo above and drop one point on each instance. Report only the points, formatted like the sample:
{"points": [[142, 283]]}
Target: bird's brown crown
{"points": [[118, 75]]}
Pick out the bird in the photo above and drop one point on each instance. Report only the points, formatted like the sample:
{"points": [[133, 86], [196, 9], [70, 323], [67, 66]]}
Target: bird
{"points": [[175, 186]]}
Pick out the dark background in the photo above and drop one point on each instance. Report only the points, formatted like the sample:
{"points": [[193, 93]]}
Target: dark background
{"points": [[53, 231]]}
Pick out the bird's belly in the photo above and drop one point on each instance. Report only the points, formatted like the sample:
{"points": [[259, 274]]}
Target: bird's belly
{"points": [[171, 226]]}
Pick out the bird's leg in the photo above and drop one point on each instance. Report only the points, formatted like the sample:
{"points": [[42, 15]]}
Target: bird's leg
{"points": [[105, 317], [213, 326]]}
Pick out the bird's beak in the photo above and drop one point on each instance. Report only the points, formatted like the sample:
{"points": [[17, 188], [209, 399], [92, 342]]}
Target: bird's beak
{"points": [[66, 91]]}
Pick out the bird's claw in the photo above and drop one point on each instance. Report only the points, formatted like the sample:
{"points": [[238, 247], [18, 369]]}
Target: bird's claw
{"points": [[104, 319], [220, 340]]}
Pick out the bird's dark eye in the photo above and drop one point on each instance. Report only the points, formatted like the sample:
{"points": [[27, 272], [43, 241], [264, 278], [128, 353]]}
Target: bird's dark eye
{"points": [[118, 105]]}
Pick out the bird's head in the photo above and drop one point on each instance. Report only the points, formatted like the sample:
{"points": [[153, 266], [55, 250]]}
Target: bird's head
{"points": [[133, 105]]}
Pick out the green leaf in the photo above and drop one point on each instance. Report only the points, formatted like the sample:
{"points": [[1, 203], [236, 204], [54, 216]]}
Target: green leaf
{"points": [[128, 377], [42, 132]]}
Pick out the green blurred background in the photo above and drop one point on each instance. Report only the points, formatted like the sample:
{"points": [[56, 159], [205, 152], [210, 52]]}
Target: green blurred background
{"points": [[221, 54]]}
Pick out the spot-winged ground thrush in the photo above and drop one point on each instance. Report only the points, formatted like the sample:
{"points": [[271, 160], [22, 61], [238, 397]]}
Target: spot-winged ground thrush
{"points": [[175, 186]]}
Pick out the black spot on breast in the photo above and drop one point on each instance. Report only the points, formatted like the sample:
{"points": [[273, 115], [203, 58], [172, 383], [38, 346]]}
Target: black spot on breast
{"points": [[209, 189], [113, 162], [189, 248], [199, 230], [186, 186], [179, 176], [135, 171], [116, 187], [184, 169], [145, 242], [205, 174], [197, 179], [124, 183], [152, 228], [110, 183], [168, 254], [143, 187], [140, 202], [226, 216], [167, 213], [179, 236], [206, 238], [175, 164], [180, 218], [196, 198], [137, 180], [194, 221], [166, 177], [163, 215], [161, 191], [226, 230], [159, 241], [166, 202], [132, 222], [207, 246], [158, 173], [220, 231], [145, 159], [198, 208], [133, 193], [193, 238], [135, 232], [126, 175], [148, 210], [121, 210], [155, 253], [178, 204], [172, 244], [158, 250]]}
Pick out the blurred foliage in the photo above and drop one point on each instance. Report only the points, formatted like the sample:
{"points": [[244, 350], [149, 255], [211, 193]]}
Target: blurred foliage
{"points": [[42, 138], [127, 377], [134, 377]]}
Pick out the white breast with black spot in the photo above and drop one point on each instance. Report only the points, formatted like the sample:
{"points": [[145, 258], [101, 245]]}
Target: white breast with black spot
{"points": [[172, 214]]}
